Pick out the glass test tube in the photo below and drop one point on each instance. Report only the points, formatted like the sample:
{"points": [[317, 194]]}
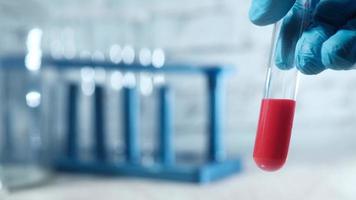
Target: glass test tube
{"points": [[278, 104]]}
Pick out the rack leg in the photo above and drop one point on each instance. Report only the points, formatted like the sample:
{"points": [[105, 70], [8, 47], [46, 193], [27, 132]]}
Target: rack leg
{"points": [[8, 141], [130, 124], [99, 119], [72, 135], [165, 151], [215, 94]]}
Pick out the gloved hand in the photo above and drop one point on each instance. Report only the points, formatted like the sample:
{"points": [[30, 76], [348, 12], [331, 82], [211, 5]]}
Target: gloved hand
{"points": [[328, 42]]}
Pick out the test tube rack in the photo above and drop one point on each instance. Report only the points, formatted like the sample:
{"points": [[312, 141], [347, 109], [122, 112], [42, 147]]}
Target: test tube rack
{"points": [[216, 165]]}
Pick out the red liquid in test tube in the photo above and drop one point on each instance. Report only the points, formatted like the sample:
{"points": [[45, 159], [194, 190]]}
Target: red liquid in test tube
{"points": [[273, 133]]}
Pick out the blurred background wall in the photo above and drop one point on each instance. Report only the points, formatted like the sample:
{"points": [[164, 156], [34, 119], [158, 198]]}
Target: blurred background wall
{"points": [[209, 31]]}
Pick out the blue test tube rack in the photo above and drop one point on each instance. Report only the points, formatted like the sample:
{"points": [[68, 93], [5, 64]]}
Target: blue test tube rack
{"points": [[216, 165]]}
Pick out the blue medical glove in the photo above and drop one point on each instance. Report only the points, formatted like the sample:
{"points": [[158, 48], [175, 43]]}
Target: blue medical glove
{"points": [[329, 42], [339, 51], [265, 12]]}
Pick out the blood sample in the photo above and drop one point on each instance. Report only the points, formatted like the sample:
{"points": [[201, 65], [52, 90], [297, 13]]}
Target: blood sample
{"points": [[278, 104], [273, 133]]}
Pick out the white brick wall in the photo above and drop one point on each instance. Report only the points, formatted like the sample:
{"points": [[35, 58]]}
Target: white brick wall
{"points": [[198, 31]]}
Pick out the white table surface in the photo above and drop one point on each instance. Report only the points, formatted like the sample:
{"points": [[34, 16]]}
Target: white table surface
{"points": [[299, 182]]}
